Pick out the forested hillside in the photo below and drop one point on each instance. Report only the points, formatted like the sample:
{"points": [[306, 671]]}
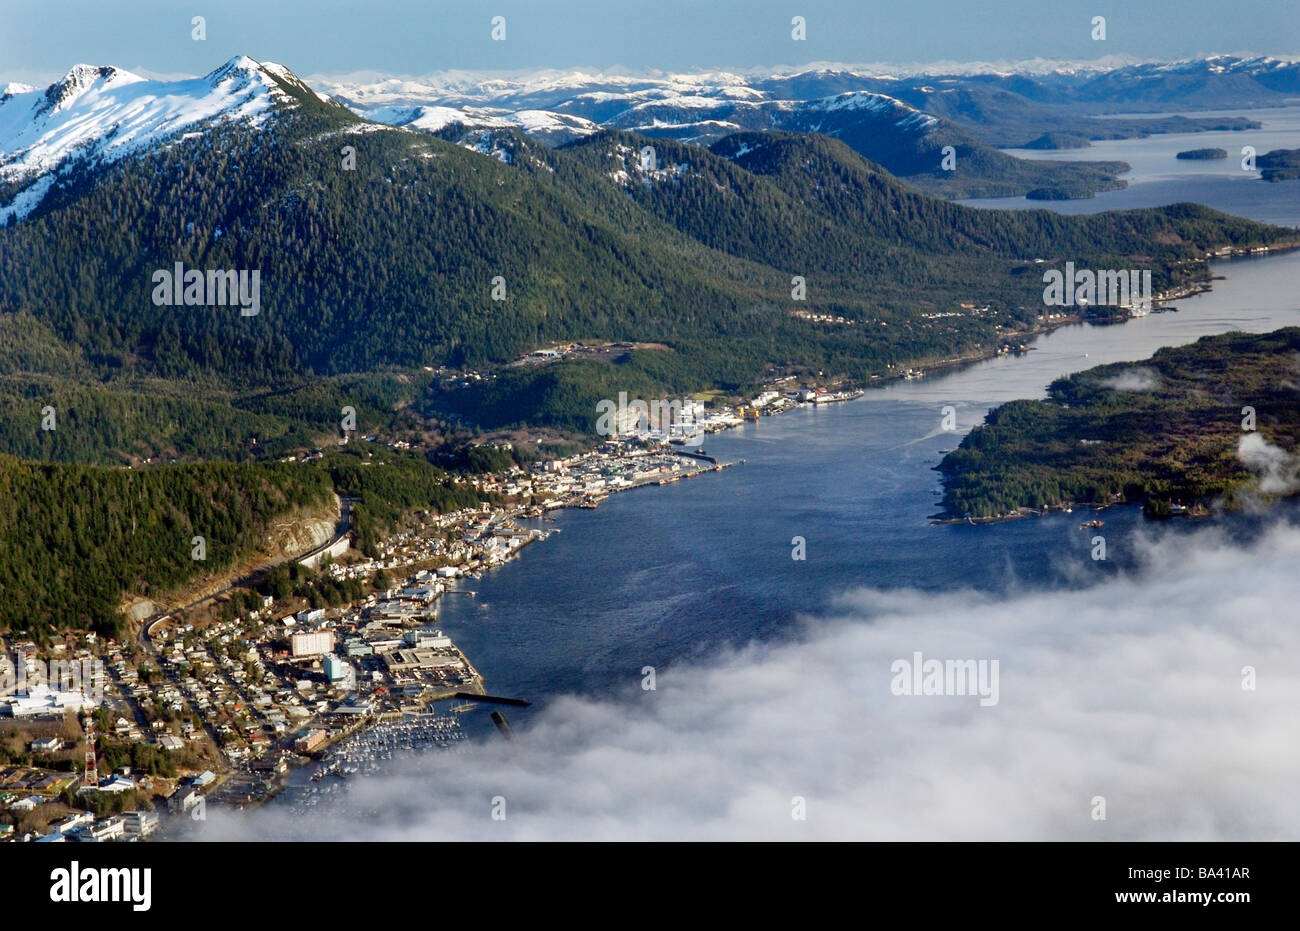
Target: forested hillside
{"points": [[1163, 430], [393, 266], [79, 538]]}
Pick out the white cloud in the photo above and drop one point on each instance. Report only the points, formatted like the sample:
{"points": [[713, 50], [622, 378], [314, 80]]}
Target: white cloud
{"points": [[1129, 690], [1278, 470], [1139, 379]]}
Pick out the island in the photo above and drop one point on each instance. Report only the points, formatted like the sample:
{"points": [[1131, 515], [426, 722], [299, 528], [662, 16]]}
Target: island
{"points": [[1279, 165], [1202, 154], [1212, 424], [1056, 193], [1059, 140]]}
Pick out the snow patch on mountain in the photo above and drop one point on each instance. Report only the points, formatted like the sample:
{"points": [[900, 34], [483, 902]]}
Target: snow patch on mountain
{"points": [[856, 100], [630, 167], [488, 143]]}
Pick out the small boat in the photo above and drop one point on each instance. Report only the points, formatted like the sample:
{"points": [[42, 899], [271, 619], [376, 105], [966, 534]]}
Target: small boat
{"points": [[1092, 524]]}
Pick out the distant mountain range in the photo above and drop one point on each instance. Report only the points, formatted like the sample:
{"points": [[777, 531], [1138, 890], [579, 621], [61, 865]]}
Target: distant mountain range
{"points": [[1103, 86], [1001, 107], [389, 264], [905, 124]]}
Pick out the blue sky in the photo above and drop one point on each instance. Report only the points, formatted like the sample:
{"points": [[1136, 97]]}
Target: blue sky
{"points": [[40, 39]]}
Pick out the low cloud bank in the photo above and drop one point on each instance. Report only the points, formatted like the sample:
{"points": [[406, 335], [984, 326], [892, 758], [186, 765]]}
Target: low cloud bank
{"points": [[1139, 379], [1131, 692]]}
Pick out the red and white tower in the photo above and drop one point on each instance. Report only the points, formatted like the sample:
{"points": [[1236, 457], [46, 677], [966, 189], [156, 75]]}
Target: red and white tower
{"points": [[91, 780]]}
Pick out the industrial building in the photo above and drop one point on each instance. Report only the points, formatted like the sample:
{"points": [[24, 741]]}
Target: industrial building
{"points": [[427, 638], [403, 660]]}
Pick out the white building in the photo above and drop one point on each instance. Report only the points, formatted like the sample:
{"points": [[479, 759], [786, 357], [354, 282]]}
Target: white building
{"points": [[41, 700], [109, 829], [313, 644], [428, 638], [139, 823], [184, 798], [117, 784], [73, 821]]}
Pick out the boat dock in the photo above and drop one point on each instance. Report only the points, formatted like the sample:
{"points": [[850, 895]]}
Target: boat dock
{"points": [[698, 454]]}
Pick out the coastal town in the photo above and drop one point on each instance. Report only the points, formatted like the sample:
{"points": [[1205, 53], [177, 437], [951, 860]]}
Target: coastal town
{"points": [[106, 739]]}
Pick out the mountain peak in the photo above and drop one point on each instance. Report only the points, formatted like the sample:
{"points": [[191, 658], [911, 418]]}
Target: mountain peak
{"points": [[81, 78], [84, 75], [100, 113], [13, 89], [240, 63]]}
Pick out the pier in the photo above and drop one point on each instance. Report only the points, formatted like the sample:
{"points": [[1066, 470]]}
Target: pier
{"points": [[701, 454], [503, 725], [495, 699]]}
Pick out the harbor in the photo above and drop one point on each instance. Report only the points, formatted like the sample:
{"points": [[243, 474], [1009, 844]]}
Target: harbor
{"points": [[371, 751]]}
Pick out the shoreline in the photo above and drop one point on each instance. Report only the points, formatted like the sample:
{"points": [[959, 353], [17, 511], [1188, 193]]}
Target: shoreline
{"points": [[514, 511], [273, 784], [1196, 511]]}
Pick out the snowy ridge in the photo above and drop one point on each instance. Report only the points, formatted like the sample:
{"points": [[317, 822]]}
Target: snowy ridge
{"points": [[861, 102], [101, 114], [556, 108], [545, 125], [552, 106], [604, 96], [905, 116]]}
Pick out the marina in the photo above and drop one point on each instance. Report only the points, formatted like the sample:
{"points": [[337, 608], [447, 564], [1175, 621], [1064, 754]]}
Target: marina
{"points": [[371, 750]]}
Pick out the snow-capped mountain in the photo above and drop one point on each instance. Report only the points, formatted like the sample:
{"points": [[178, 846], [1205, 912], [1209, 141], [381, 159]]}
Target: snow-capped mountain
{"points": [[98, 114], [546, 126], [703, 105], [545, 90], [704, 120], [700, 108], [900, 118], [1220, 80]]}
